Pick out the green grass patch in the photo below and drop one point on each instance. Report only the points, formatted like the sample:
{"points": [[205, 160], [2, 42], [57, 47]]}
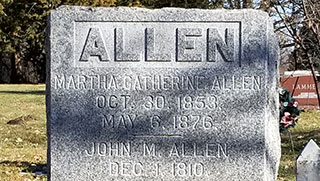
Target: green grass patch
{"points": [[293, 142], [23, 142]]}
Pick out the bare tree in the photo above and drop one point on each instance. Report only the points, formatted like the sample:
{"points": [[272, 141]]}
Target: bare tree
{"points": [[299, 21]]}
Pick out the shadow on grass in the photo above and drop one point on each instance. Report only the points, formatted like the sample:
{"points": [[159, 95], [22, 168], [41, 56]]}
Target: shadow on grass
{"points": [[29, 167], [292, 143], [299, 140], [24, 92]]}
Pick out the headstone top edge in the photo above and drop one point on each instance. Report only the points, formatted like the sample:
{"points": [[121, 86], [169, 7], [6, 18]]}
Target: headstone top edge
{"points": [[71, 8], [310, 148]]}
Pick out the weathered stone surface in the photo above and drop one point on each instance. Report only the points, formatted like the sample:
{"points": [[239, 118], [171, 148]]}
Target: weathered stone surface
{"points": [[308, 163], [169, 94]]}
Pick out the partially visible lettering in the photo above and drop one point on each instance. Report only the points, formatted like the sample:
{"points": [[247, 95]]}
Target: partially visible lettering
{"points": [[151, 53], [187, 44], [182, 169], [198, 150], [94, 46], [158, 82], [126, 169], [124, 121], [222, 45], [120, 54], [113, 101], [187, 41], [118, 149]]}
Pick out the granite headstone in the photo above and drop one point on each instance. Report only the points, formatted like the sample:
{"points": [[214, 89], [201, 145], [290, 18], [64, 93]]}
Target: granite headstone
{"points": [[166, 94], [308, 163]]}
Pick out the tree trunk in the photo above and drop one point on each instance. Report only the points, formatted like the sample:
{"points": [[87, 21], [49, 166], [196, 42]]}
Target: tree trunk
{"points": [[230, 4], [314, 78], [295, 57], [1, 66], [247, 4], [238, 4], [14, 72]]}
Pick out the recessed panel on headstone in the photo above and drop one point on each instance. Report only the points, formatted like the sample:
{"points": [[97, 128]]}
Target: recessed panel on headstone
{"points": [[170, 94]]}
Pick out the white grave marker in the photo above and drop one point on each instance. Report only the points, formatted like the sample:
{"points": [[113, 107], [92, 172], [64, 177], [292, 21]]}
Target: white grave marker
{"points": [[308, 163]]}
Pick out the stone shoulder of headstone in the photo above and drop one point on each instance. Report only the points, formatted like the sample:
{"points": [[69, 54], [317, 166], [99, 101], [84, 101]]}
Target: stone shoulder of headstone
{"points": [[163, 14], [165, 94], [308, 163]]}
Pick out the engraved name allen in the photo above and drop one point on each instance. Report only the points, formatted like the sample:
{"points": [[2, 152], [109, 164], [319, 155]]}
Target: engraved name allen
{"points": [[219, 44]]}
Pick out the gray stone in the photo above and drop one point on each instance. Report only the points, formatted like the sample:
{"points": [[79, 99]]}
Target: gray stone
{"points": [[308, 163], [167, 94]]}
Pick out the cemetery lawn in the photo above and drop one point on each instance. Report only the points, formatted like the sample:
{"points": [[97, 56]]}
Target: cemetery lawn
{"points": [[308, 127], [23, 142]]}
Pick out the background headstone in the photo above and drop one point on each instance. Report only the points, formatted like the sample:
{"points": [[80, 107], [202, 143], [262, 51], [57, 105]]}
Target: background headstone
{"points": [[308, 163], [168, 94]]}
